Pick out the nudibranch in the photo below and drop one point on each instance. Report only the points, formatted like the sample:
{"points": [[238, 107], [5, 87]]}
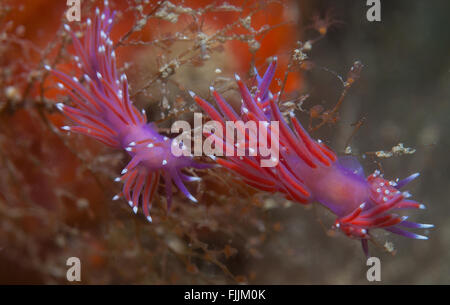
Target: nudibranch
{"points": [[308, 171], [103, 110]]}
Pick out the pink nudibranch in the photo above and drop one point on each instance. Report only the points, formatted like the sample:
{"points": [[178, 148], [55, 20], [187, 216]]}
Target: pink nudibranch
{"points": [[308, 171]]}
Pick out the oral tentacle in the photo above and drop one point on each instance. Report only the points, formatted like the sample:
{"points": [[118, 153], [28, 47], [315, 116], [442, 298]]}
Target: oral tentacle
{"points": [[407, 180]]}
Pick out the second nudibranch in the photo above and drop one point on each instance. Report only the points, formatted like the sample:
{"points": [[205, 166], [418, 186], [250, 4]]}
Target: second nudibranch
{"points": [[308, 171], [103, 110]]}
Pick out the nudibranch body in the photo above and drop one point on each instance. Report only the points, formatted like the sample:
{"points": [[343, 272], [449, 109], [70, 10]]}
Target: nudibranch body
{"points": [[103, 110], [308, 171]]}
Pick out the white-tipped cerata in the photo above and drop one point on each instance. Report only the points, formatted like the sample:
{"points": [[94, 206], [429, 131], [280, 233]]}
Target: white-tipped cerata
{"points": [[192, 198], [414, 176], [406, 194], [60, 106]]}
